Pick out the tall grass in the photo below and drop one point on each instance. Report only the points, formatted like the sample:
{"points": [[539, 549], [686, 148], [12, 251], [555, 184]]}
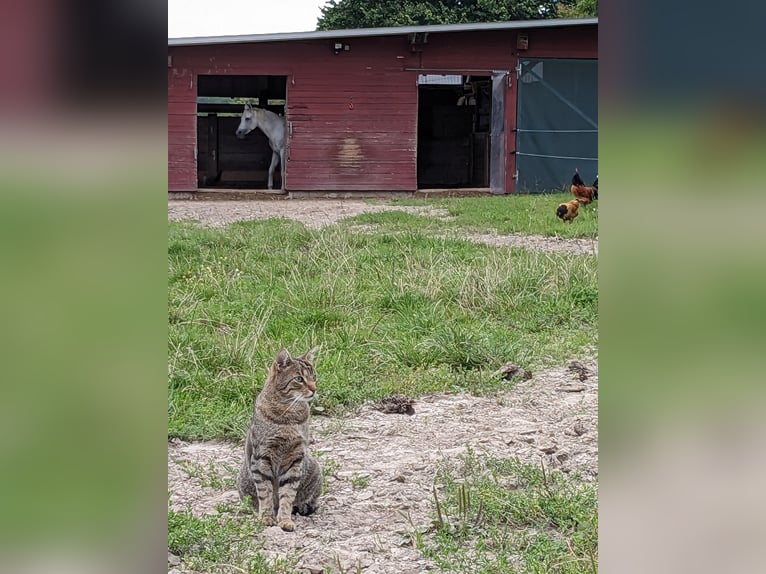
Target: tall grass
{"points": [[393, 312]]}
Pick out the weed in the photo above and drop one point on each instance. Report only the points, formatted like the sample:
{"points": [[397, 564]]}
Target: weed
{"points": [[209, 475], [360, 482], [493, 513], [221, 542]]}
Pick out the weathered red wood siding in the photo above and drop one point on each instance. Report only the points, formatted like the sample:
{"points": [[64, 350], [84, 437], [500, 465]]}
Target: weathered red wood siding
{"points": [[352, 117], [182, 130]]}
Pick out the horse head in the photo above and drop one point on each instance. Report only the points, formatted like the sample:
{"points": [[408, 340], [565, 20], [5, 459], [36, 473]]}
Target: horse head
{"points": [[247, 123]]}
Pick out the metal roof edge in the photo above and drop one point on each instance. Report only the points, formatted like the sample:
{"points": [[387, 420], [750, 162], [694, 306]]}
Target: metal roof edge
{"points": [[392, 31]]}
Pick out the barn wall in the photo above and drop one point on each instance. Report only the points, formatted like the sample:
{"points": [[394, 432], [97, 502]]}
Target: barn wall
{"points": [[352, 117], [182, 130]]}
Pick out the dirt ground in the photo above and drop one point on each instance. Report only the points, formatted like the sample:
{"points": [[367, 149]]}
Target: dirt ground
{"points": [[383, 465]]}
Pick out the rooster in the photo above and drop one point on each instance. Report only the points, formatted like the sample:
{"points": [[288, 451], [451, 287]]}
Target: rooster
{"points": [[568, 211], [585, 194]]}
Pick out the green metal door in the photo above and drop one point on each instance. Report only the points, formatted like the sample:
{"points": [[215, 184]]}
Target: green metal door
{"points": [[557, 123]]}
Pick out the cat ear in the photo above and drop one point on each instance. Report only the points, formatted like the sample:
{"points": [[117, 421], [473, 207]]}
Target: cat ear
{"points": [[283, 358], [310, 355]]}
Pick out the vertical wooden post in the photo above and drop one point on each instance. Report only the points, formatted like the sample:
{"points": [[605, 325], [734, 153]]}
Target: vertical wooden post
{"points": [[497, 134], [212, 148]]}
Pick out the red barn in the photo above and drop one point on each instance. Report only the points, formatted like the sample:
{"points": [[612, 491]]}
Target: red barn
{"points": [[508, 106]]}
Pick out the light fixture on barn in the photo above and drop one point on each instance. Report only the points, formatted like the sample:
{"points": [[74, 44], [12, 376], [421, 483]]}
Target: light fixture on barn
{"points": [[339, 47]]}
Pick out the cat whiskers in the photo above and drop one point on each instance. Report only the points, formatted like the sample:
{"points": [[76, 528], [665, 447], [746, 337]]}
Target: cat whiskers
{"points": [[292, 404]]}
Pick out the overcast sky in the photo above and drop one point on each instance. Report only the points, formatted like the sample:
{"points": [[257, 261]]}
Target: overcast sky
{"points": [[225, 17]]}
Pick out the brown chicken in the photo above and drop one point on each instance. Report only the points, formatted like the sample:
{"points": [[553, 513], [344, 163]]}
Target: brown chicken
{"points": [[584, 193], [568, 211]]}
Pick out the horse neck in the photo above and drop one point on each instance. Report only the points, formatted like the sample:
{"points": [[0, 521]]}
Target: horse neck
{"points": [[269, 123]]}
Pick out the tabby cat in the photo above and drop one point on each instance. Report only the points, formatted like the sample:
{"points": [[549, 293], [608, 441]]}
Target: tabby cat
{"points": [[278, 472]]}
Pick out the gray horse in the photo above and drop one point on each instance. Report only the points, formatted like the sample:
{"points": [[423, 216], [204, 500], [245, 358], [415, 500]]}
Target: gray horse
{"points": [[273, 126]]}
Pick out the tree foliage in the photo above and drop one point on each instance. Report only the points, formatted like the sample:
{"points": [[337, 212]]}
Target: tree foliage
{"points": [[578, 8], [345, 14]]}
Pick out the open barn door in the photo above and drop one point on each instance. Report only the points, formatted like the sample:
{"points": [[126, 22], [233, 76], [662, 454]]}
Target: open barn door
{"points": [[557, 123], [225, 161], [454, 117]]}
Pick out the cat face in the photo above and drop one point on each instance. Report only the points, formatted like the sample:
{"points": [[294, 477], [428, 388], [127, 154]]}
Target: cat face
{"points": [[295, 377]]}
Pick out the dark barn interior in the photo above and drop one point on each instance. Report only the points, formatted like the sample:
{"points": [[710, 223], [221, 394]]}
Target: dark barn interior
{"points": [[223, 160], [453, 133]]}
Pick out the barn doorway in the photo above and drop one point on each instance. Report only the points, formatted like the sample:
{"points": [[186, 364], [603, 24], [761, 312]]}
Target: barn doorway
{"points": [[454, 131], [223, 161]]}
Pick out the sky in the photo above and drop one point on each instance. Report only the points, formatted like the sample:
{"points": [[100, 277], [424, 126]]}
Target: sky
{"points": [[226, 17]]}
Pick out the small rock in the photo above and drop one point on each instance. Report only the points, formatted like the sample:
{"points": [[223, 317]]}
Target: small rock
{"points": [[571, 388], [548, 448], [399, 478], [581, 370], [173, 560], [509, 370], [579, 428], [395, 404]]}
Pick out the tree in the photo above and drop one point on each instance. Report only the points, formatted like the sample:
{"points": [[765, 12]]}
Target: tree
{"points": [[578, 9], [345, 14]]}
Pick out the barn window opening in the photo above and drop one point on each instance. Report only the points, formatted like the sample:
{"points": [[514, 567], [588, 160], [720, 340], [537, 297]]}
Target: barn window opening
{"points": [[454, 120], [223, 160]]}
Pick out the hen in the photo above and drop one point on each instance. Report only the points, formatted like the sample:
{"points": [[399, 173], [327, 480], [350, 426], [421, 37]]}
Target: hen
{"points": [[568, 211], [584, 193]]}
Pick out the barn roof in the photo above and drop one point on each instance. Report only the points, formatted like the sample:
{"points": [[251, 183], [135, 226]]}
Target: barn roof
{"points": [[392, 31]]}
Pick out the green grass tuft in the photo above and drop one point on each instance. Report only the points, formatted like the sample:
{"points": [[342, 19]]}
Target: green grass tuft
{"points": [[495, 515], [222, 542]]}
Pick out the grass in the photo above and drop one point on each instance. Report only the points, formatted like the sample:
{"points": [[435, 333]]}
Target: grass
{"points": [[529, 214], [400, 309], [394, 312], [359, 482], [222, 542], [495, 515], [210, 476]]}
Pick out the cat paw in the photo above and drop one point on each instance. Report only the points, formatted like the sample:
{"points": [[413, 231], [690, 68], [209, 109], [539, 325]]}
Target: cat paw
{"points": [[287, 525], [268, 520]]}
